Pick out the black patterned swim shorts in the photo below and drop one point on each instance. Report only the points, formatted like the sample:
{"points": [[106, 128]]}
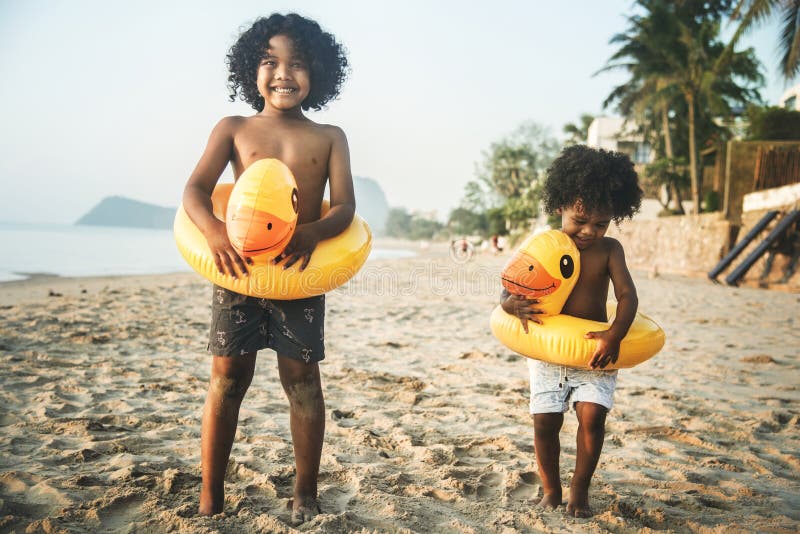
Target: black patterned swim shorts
{"points": [[242, 325]]}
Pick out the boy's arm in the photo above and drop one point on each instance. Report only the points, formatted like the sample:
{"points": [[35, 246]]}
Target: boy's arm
{"points": [[197, 197], [343, 206], [624, 291], [627, 304]]}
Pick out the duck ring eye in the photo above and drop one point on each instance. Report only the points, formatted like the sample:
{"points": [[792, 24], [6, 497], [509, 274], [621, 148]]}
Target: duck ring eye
{"points": [[567, 266]]}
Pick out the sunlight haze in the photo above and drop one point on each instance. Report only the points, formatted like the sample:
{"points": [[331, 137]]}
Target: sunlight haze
{"points": [[118, 98]]}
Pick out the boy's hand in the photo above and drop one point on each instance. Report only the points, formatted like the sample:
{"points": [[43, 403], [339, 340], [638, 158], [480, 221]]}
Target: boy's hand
{"points": [[523, 308], [303, 243], [225, 256], [607, 348]]}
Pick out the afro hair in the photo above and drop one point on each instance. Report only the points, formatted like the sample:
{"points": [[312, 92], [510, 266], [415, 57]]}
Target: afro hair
{"points": [[602, 181], [325, 57]]}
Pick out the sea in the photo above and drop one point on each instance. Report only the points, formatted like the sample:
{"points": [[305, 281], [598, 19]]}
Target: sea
{"points": [[70, 250]]}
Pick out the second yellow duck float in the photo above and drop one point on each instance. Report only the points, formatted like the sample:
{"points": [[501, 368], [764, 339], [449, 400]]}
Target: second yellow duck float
{"points": [[546, 267]]}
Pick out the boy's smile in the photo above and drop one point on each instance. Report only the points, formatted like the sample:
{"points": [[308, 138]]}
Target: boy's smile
{"points": [[283, 77], [584, 228]]}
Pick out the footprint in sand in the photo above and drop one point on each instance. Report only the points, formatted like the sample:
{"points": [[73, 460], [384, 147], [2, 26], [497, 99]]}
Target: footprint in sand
{"points": [[337, 490], [489, 485], [122, 512], [759, 358], [482, 452]]}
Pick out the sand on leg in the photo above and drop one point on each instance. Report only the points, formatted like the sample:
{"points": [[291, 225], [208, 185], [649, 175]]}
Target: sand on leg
{"points": [[301, 382], [591, 432], [230, 378], [547, 446]]}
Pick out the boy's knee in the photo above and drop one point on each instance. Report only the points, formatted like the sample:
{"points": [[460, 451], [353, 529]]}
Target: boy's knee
{"points": [[230, 387], [592, 417], [304, 392], [547, 424]]}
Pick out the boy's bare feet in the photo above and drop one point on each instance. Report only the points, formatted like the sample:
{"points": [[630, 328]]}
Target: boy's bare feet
{"points": [[550, 500], [304, 509], [210, 505], [578, 505]]}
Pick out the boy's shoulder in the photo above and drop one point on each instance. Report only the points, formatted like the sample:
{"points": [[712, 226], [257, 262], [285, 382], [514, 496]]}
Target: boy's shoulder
{"points": [[329, 132], [229, 125], [235, 122], [603, 249], [610, 244], [327, 129]]}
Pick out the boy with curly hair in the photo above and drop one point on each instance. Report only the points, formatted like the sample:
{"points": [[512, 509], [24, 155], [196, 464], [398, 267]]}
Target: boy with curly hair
{"points": [[589, 188], [282, 65]]}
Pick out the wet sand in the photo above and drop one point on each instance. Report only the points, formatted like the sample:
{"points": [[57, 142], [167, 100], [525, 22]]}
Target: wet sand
{"points": [[427, 427]]}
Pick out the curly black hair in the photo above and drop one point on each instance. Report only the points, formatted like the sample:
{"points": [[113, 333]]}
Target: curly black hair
{"points": [[601, 180], [325, 57]]}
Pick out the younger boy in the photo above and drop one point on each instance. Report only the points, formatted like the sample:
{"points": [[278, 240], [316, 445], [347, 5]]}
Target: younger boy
{"points": [[281, 66], [589, 188]]}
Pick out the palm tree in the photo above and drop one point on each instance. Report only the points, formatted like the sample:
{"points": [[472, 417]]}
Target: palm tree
{"points": [[578, 133], [649, 95], [707, 76], [751, 13], [672, 51]]}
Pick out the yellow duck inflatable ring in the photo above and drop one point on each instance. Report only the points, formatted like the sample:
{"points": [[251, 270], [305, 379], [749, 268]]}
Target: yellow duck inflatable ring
{"points": [[546, 267], [260, 214]]}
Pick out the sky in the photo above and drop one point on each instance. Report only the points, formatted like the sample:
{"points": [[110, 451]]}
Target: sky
{"points": [[103, 98]]}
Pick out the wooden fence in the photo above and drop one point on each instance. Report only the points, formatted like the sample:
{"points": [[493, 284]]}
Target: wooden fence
{"points": [[776, 167]]}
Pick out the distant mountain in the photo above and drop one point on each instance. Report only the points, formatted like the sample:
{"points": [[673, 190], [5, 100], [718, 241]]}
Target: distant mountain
{"points": [[121, 211], [371, 203]]}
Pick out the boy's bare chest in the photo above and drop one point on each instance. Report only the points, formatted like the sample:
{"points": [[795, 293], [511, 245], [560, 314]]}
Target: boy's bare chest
{"points": [[304, 150], [588, 297]]}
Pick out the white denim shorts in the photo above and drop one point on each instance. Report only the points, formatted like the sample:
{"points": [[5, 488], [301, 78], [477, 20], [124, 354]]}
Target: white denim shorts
{"points": [[554, 387]]}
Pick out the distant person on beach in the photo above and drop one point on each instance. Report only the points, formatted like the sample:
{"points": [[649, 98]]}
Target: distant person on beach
{"points": [[461, 250], [496, 248], [281, 66], [589, 188]]}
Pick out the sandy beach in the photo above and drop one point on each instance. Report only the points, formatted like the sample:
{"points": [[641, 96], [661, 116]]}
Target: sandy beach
{"points": [[103, 382]]}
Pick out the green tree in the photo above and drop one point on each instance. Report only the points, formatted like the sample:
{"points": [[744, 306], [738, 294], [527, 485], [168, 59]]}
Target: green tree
{"points": [[578, 133], [673, 52], [402, 224], [398, 223], [512, 167], [753, 13], [672, 174], [422, 228], [649, 97], [773, 124], [495, 222], [463, 221]]}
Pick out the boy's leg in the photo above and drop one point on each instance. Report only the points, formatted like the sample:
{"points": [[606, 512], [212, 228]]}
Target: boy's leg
{"points": [[549, 394], [546, 427], [591, 432], [301, 382], [230, 378]]}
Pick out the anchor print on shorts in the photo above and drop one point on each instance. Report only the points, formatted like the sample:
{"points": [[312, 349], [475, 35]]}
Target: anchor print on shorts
{"points": [[309, 313], [288, 333], [238, 317], [220, 296], [221, 337], [306, 354]]}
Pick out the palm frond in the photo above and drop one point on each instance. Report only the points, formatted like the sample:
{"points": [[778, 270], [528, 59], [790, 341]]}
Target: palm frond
{"points": [[790, 39]]}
